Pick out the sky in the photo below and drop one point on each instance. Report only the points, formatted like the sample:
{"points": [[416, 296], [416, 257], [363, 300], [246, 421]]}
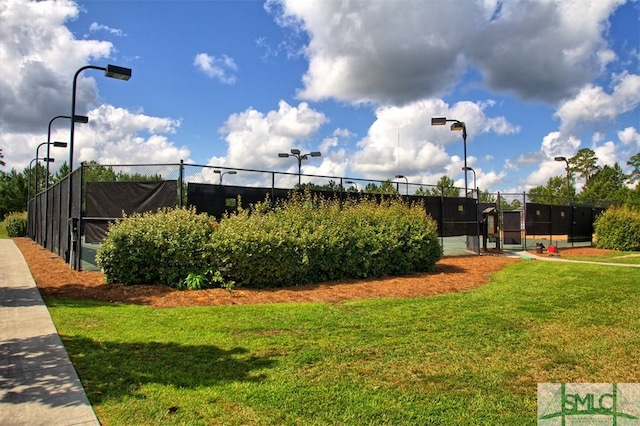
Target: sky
{"points": [[234, 83]]}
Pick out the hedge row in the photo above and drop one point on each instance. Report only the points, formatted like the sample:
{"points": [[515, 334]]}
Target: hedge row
{"points": [[301, 241], [618, 229]]}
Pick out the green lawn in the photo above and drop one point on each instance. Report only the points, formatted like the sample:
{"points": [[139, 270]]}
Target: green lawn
{"points": [[468, 358]]}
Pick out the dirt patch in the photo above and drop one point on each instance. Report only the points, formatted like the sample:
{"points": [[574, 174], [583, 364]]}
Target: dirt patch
{"points": [[55, 278]]}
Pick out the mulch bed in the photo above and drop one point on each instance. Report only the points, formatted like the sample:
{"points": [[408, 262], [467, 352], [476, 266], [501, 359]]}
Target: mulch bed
{"points": [[54, 278]]}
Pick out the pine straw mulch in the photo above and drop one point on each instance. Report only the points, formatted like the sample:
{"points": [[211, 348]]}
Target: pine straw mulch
{"points": [[54, 278]]}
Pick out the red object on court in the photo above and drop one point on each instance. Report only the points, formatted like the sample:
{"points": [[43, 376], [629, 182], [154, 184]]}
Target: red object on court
{"points": [[552, 249]]}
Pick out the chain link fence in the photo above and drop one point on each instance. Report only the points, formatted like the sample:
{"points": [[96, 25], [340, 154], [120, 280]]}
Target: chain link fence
{"points": [[101, 194]]}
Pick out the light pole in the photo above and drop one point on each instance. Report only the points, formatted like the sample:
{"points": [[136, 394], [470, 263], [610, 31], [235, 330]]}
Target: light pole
{"points": [[475, 185], [55, 144], [300, 157], [78, 119], [221, 173], [568, 175], [35, 186], [457, 125], [111, 71], [475, 182], [406, 180], [47, 159]]}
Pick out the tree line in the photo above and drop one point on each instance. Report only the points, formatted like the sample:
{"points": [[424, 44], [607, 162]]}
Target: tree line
{"points": [[608, 184]]}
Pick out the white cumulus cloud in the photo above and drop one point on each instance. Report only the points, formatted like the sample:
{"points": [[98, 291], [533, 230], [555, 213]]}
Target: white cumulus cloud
{"points": [[402, 141], [100, 27], [593, 104], [630, 137], [219, 68], [255, 138], [399, 52]]}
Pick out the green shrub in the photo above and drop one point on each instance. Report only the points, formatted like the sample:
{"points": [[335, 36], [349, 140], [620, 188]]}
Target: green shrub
{"points": [[156, 248], [618, 229], [16, 224], [310, 240]]}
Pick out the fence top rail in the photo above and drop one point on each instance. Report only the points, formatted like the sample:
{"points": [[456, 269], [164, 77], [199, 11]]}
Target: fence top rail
{"points": [[132, 165], [340, 178], [343, 179]]}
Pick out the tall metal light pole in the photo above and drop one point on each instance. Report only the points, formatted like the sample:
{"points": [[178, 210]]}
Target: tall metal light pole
{"points": [[300, 157], [457, 125], [47, 159], [221, 173], [34, 221], [406, 180], [35, 186], [475, 185], [78, 119], [568, 175], [111, 71], [55, 144]]}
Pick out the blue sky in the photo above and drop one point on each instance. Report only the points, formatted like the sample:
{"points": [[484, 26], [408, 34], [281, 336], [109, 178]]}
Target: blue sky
{"points": [[233, 83]]}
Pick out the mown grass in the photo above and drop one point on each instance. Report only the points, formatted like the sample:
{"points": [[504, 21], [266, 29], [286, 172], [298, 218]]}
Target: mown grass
{"points": [[625, 257], [3, 232], [468, 358]]}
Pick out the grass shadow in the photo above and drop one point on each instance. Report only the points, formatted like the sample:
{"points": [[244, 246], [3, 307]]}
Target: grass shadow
{"points": [[113, 370]]}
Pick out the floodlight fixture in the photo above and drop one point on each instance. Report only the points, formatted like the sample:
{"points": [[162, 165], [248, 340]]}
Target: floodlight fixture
{"points": [[296, 153], [221, 173], [456, 126], [111, 71], [120, 73]]}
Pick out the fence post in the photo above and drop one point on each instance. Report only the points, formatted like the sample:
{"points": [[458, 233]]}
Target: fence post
{"points": [[551, 221], [180, 183], [499, 224], [477, 238], [524, 218], [80, 224], [442, 217], [273, 188]]}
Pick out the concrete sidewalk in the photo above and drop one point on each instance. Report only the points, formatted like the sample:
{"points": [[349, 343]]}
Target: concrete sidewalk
{"points": [[38, 383]]}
